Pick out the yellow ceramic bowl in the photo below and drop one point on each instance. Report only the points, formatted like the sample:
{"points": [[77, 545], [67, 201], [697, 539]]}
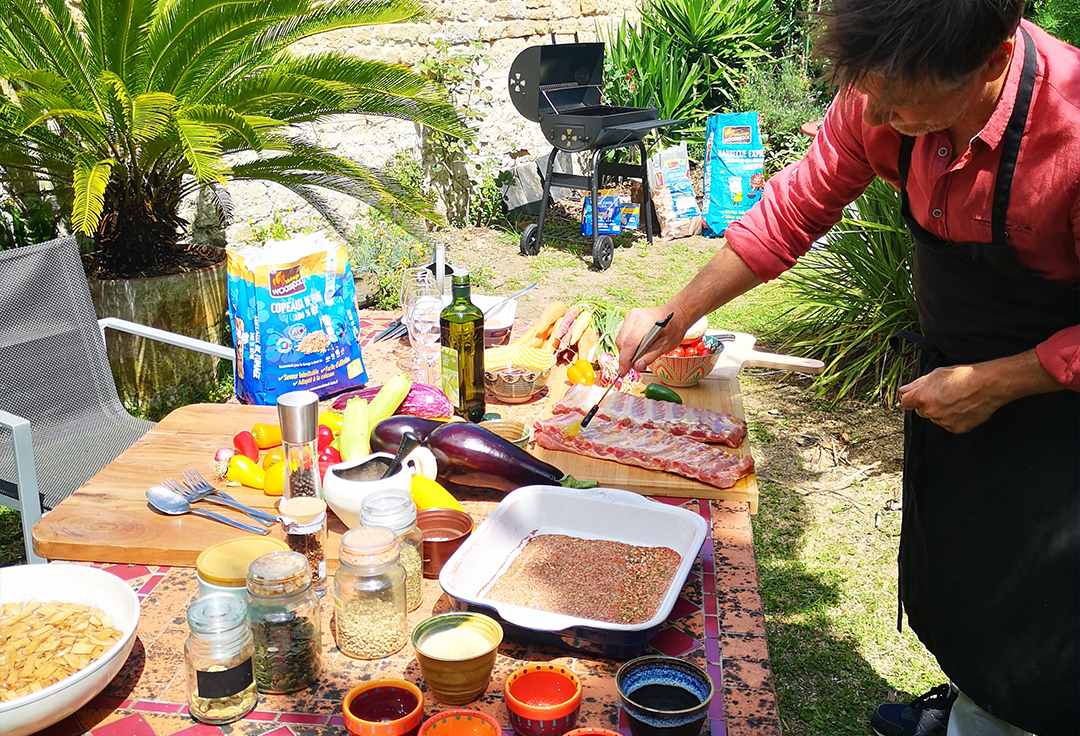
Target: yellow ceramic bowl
{"points": [[456, 652]]}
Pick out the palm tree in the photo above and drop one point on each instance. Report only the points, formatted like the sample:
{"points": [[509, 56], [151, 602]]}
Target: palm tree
{"points": [[124, 107]]}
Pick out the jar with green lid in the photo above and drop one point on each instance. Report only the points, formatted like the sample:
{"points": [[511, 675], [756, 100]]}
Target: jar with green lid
{"points": [[369, 594], [218, 660], [283, 612], [395, 510]]}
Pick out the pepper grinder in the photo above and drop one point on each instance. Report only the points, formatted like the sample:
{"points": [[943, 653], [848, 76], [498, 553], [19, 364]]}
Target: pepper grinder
{"points": [[298, 414]]}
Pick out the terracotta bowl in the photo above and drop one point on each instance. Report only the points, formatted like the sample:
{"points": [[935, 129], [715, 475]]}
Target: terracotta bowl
{"points": [[664, 696], [687, 371], [444, 530], [384, 708], [461, 722], [456, 652], [515, 384], [543, 699]]}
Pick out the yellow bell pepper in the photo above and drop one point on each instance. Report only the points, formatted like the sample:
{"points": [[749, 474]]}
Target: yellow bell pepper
{"points": [[245, 471], [274, 483], [332, 420], [266, 435], [428, 494], [273, 457]]}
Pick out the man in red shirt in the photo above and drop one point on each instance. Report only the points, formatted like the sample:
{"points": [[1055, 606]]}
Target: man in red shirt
{"points": [[974, 115]]}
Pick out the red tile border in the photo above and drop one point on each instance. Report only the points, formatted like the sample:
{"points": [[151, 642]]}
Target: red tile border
{"points": [[128, 572], [150, 706], [260, 715], [717, 728], [150, 584], [200, 729], [310, 719]]}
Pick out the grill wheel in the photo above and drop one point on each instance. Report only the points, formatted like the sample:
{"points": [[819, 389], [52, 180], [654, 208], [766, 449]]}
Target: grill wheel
{"points": [[603, 251], [530, 243]]}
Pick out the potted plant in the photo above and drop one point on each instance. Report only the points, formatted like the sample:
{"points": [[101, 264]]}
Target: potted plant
{"points": [[122, 109]]}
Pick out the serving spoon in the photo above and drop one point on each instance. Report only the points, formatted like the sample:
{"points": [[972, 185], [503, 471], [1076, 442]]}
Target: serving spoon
{"points": [[168, 501]]}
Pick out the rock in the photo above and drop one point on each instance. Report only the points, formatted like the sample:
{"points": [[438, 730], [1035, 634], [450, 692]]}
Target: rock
{"points": [[523, 195]]}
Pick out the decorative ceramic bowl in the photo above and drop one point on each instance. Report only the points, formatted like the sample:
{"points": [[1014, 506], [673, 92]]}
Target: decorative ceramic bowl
{"points": [[664, 696], [456, 652], [86, 586], [687, 371], [384, 708], [510, 430], [444, 530], [461, 722], [543, 699], [516, 384], [592, 731]]}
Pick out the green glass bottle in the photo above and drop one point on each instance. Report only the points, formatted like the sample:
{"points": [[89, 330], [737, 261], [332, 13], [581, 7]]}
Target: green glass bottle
{"points": [[462, 325]]}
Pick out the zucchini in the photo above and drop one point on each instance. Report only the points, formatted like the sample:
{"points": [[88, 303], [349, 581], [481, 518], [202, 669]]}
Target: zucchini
{"points": [[660, 392]]}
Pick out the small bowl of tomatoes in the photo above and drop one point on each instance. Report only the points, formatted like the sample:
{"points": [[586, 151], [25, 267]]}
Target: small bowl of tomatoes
{"points": [[688, 363]]}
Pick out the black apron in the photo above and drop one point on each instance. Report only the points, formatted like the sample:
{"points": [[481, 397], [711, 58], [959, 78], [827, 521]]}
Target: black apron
{"points": [[990, 543]]}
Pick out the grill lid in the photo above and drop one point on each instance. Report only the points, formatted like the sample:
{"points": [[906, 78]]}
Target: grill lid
{"points": [[556, 78]]}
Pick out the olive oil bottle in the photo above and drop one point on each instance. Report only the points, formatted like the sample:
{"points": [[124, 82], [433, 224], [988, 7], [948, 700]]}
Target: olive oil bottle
{"points": [[462, 325]]}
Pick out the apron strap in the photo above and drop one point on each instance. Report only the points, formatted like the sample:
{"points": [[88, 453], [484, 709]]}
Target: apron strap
{"points": [[1010, 146]]}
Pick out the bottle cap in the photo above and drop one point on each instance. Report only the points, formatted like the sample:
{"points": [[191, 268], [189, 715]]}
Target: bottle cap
{"points": [[392, 508], [279, 573], [369, 546], [298, 413], [215, 613], [461, 278], [226, 563]]}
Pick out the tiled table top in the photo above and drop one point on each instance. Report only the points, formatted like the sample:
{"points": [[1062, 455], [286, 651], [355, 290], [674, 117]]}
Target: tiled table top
{"points": [[717, 623]]}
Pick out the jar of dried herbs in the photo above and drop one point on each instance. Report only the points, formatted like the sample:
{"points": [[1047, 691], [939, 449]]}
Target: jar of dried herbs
{"points": [[218, 659], [304, 522], [283, 612], [395, 510], [369, 594]]}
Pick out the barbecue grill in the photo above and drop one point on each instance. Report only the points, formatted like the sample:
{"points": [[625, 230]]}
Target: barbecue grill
{"points": [[559, 86]]}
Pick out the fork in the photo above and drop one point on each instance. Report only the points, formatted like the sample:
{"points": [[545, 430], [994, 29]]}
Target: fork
{"points": [[202, 489], [192, 496]]}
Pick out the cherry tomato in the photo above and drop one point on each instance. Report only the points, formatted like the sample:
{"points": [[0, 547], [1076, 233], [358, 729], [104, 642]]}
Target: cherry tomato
{"points": [[326, 436], [243, 470], [324, 465], [272, 458], [332, 420], [266, 435], [331, 454], [581, 372], [274, 481], [244, 442]]}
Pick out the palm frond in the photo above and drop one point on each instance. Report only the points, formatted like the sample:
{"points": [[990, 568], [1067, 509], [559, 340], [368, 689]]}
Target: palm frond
{"points": [[201, 145], [151, 114], [91, 177], [227, 121]]}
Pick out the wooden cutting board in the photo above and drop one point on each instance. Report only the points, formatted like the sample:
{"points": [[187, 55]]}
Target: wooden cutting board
{"points": [[716, 393]]}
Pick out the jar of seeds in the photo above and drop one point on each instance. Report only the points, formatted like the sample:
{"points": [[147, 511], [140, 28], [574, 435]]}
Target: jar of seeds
{"points": [[304, 522], [369, 594], [283, 613], [395, 510], [218, 657]]}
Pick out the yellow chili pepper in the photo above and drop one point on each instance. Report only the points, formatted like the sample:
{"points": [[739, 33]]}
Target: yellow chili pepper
{"points": [[274, 484], [266, 435], [272, 458], [332, 420], [245, 471]]}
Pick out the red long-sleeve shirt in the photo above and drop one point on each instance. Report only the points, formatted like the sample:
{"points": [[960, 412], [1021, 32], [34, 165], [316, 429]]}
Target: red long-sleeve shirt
{"points": [[950, 197]]}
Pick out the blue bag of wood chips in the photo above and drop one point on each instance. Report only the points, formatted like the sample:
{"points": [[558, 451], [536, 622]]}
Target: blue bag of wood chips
{"points": [[608, 215], [292, 306], [734, 169]]}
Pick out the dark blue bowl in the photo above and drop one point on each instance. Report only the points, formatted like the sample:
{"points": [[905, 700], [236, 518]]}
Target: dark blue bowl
{"points": [[664, 696]]}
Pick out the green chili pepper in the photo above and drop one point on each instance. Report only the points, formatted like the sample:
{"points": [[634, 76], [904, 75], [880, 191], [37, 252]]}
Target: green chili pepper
{"points": [[660, 392]]}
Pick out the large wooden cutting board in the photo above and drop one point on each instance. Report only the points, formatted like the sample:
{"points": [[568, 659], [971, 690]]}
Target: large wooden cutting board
{"points": [[716, 393]]}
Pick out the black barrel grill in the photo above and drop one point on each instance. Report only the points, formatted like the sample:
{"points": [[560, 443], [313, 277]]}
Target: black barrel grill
{"points": [[559, 86]]}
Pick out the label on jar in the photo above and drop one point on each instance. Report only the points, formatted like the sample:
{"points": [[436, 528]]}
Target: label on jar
{"points": [[224, 683]]}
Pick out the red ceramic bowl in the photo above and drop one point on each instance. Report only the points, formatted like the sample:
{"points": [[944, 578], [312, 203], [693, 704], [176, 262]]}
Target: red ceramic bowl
{"points": [[384, 708], [543, 699], [461, 722], [444, 531], [592, 731]]}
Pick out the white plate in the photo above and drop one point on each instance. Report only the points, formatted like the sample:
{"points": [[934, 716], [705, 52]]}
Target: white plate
{"points": [[86, 586], [597, 513]]}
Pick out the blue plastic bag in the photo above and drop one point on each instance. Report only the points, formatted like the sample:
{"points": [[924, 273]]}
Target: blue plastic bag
{"points": [[292, 306], [734, 169], [608, 216]]}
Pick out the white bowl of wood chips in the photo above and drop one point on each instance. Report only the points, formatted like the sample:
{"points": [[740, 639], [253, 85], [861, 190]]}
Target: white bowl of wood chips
{"points": [[65, 632]]}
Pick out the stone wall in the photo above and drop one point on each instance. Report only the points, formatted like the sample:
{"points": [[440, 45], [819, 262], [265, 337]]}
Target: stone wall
{"points": [[503, 27]]}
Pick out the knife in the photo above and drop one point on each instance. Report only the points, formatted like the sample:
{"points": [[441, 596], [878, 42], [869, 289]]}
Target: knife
{"points": [[394, 327]]}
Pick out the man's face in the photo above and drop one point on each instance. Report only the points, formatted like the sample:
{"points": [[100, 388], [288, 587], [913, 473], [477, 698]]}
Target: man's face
{"points": [[915, 109]]}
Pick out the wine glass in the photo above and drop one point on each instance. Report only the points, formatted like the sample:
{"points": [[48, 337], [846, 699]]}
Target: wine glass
{"points": [[425, 306], [412, 279]]}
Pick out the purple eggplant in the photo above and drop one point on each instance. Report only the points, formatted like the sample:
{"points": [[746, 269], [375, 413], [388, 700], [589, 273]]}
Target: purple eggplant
{"points": [[386, 435], [469, 455]]}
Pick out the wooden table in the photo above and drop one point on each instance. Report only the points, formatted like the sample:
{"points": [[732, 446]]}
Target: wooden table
{"points": [[717, 621]]}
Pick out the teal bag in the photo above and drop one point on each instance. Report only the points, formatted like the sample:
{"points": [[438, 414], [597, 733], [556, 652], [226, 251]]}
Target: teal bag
{"points": [[734, 169]]}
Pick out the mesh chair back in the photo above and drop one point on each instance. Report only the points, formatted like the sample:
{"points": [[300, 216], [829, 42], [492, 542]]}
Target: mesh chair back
{"points": [[54, 372]]}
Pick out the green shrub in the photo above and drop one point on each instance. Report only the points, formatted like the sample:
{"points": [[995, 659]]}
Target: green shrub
{"points": [[848, 298], [786, 98], [27, 220], [381, 247], [1058, 17]]}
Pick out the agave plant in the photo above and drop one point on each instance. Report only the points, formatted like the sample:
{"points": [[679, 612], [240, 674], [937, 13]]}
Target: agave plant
{"points": [[125, 107], [848, 298]]}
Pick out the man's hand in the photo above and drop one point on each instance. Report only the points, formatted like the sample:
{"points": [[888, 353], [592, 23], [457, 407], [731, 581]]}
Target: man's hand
{"points": [[961, 397], [634, 328]]}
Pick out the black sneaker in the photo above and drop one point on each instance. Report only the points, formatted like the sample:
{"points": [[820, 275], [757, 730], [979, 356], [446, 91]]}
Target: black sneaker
{"points": [[926, 715]]}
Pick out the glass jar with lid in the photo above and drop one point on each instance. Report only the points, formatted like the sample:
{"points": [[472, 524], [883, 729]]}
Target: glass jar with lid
{"points": [[283, 612], [395, 510], [369, 594], [218, 659]]}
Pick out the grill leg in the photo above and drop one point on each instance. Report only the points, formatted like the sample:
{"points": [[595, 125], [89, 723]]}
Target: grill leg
{"points": [[596, 194], [646, 200], [547, 196]]}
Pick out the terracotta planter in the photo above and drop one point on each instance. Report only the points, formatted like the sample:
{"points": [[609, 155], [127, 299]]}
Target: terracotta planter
{"points": [[160, 377]]}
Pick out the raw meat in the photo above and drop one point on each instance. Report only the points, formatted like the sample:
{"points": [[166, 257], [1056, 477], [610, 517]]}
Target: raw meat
{"points": [[625, 410], [652, 449]]}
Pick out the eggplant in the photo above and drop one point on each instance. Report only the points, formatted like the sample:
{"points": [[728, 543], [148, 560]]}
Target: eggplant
{"points": [[469, 455], [386, 435]]}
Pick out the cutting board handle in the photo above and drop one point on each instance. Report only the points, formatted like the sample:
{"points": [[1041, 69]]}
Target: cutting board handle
{"points": [[760, 359]]}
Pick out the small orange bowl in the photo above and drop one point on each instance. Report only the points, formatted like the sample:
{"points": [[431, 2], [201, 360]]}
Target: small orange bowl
{"points": [[688, 370], [543, 699], [384, 708], [592, 731], [461, 722]]}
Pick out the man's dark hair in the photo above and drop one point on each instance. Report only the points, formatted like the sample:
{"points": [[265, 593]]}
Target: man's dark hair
{"points": [[912, 41]]}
